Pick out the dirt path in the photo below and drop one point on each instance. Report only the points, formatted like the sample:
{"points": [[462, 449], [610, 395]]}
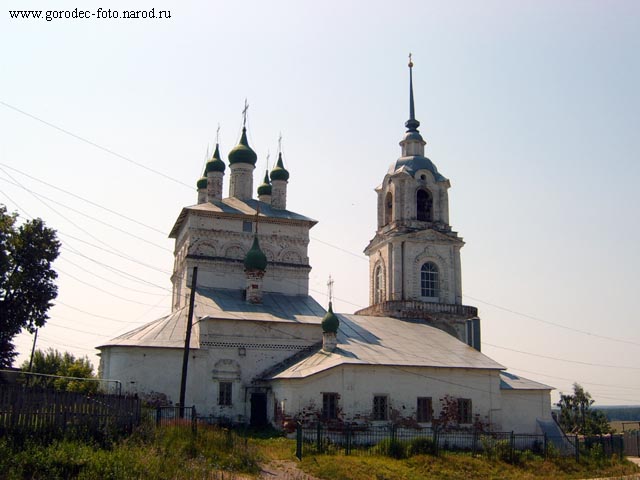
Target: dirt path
{"points": [[283, 470]]}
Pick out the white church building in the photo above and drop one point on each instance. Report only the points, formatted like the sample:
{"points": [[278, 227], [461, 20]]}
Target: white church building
{"points": [[262, 351]]}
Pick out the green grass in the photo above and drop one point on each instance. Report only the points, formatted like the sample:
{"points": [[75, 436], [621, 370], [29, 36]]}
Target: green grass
{"points": [[216, 453], [164, 453], [456, 466]]}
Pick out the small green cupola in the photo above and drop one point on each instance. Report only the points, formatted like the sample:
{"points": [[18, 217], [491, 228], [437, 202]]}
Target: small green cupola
{"points": [[242, 153], [265, 187], [255, 258], [330, 321], [279, 172], [215, 164], [202, 181]]}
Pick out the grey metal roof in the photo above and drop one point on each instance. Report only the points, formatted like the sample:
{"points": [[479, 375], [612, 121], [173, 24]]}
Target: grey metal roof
{"points": [[414, 163], [235, 206], [509, 381], [366, 340], [275, 307], [170, 331]]}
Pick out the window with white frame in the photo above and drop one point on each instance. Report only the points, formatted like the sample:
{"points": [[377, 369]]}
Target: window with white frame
{"points": [[378, 282], [429, 280]]}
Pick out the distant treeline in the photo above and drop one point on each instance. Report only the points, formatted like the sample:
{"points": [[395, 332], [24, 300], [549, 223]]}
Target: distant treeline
{"points": [[622, 413]]}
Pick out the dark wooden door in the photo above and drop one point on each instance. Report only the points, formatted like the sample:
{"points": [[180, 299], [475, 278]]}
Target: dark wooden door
{"points": [[258, 409]]}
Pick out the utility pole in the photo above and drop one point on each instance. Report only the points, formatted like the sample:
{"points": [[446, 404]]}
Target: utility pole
{"points": [[33, 350], [187, 340]]}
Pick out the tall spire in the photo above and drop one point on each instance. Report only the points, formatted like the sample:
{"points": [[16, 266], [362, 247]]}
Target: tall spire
{"points": [[412, 124]]}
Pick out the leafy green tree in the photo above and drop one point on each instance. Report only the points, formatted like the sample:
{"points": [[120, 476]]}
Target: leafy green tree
{"points": [[52, 362], [577, 416], [26, 278]]}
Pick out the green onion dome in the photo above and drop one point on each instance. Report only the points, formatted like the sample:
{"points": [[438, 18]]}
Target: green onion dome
{"points": [[265, 187], [255, 258], [330, 321], [279, 172], [202, 181], [215, 164], [242, 153]]}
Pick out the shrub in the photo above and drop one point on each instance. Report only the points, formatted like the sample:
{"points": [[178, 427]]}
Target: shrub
{"points": [[422, 446]]}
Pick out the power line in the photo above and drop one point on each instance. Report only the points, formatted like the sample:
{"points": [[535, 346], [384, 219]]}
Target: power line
{"points": [[107, 224], [157, 230], [115, 270], [103, 290], [109, 249], [93, 144], [560, 359], [584, 332], [111, 281]]}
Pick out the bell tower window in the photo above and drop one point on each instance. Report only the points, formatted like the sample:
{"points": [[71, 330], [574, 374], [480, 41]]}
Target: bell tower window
{"points": [[429, 280], [388, 208], [378, 279], [424, 204]]}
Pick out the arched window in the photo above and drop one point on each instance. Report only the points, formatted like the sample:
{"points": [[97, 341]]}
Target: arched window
{"points": [[378, 282], [424, 205], [429, 280], [388, 208]]}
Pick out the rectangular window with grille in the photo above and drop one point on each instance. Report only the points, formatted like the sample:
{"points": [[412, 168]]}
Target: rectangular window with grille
{"points": [[224, 393], [424, 411], [380, 407], [329, 406], [464, 410]]}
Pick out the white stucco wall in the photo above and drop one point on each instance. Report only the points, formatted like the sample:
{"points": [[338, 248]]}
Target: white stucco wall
{"points": [[521, 408], [357, 386]]}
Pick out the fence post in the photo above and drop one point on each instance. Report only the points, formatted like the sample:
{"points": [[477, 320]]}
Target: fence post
{"points": [[158, 414], [299, 440], [545, 446], [347, 450], [436, 449], [474, 444], [319, 437], [512, 446], [194, 420], [577, 449]]}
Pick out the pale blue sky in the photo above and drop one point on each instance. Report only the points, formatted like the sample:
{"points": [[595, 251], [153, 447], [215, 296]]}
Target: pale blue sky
{"points": [[530, 108]]}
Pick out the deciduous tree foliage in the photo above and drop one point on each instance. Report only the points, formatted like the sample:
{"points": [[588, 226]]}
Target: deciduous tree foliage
{"points": [[576, 415], [52, 362], [26, 278]]}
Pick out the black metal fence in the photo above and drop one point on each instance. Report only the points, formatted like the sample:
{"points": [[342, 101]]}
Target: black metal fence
{"points": [[172, 415], [402, 442]]}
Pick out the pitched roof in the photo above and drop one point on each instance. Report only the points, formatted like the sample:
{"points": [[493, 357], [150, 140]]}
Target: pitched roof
{"points": [[366, 340], [235, 206], [170, 331], [509, 381], [275, 307]]}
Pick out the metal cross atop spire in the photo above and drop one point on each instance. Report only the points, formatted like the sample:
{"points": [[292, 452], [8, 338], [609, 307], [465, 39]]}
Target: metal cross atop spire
{"points": [[330, 288], [244, 113], [412, 124], [218, 134], [268, 157], [280, 143]]}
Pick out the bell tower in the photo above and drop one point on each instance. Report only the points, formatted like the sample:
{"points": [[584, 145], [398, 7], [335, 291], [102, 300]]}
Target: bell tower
{"points": [[414, 257]]}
